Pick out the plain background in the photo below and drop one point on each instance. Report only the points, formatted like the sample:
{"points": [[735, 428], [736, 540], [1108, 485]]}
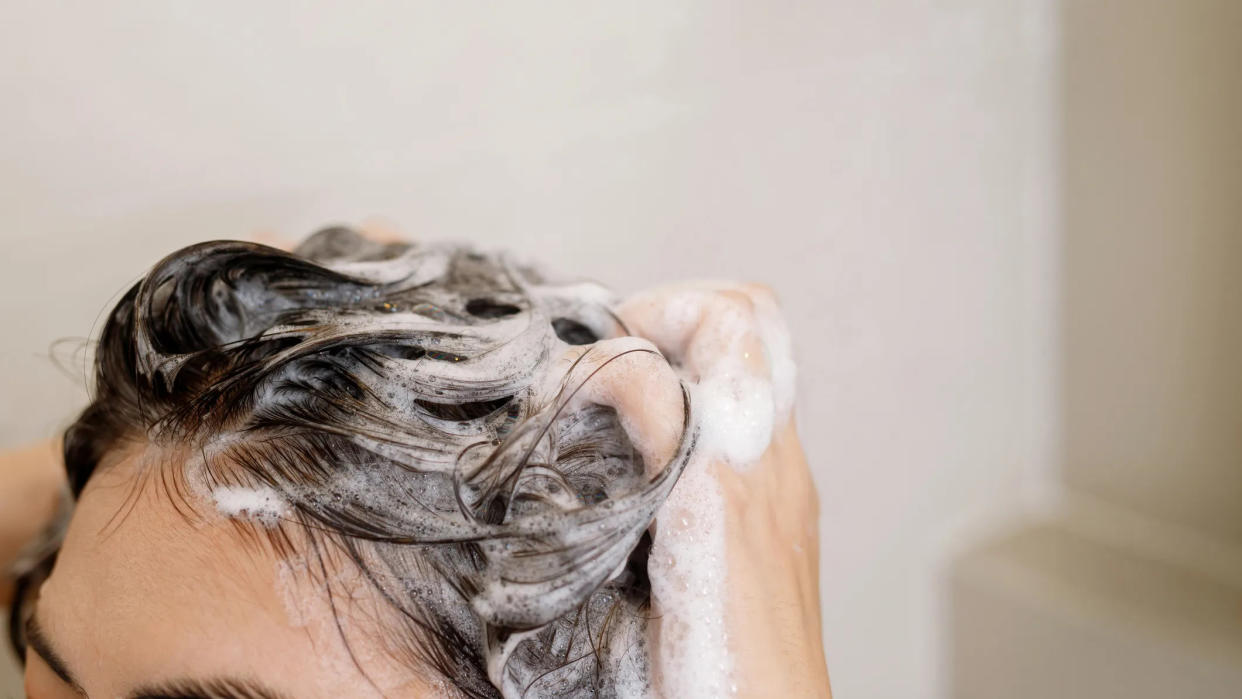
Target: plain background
{"points": [[889, 167]]}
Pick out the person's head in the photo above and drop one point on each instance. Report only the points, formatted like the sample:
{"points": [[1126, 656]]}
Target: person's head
{"points": [[360, 469]]}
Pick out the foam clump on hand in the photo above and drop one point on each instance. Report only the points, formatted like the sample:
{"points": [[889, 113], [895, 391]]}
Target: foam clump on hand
{"points": [[732, 348]]}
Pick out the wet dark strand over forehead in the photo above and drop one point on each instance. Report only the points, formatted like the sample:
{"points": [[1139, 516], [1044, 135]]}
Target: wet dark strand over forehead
{"points": [[394, 398]]}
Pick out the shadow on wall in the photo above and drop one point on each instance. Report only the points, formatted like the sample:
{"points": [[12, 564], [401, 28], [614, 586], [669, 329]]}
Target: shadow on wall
{"points": [[1133, 588]]}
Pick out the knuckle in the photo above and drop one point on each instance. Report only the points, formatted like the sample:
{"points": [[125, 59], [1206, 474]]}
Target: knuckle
{"points": [[761, 292], [738, 299]]}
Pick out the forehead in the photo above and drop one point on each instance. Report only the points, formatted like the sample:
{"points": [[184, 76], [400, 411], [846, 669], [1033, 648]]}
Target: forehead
{"points": [[142, 593]]}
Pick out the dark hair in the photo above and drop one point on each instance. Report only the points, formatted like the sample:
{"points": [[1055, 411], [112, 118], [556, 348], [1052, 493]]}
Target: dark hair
{"points": [[386, 393]]}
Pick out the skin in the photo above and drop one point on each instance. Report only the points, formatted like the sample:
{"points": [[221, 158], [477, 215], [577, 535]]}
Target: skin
{"points": [[153, 597], [143, 596], [31, 480], [771, 508]]}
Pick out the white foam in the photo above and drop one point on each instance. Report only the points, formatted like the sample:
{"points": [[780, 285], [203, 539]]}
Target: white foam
{"points": [[259, 503], [738, 400], [778, 347], [687, 572], [739, 397], [735, 417], [289, 570]]}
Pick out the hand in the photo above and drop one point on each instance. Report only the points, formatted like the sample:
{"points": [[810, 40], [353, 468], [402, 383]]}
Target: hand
{"points": [[31, 480], [770, 509]]}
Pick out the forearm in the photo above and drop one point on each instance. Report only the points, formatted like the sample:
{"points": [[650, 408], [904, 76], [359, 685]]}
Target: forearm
{"points": [[773, 595]]}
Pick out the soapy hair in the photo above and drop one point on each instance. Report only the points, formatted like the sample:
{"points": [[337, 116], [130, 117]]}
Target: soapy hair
{"points": [[384, 401]]}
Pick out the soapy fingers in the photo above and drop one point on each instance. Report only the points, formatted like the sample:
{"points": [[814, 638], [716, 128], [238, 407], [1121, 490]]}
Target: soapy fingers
{"points": [[734, 566], [729, 343], [629, 375]]}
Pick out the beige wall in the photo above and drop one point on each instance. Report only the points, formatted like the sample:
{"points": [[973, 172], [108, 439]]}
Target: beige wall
{"points": [[1129, 584], [887, 166], [1152, 157]]}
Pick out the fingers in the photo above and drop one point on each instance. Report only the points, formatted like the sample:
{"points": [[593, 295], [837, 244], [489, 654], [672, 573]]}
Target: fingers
{"points": [[273, 239], [629, 375], [375, 229], [701, 325], [730, 343], [382, 231]]}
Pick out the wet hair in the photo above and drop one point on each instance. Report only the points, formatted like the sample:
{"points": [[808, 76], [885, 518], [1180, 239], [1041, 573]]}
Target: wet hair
{"points": [[388, 397]]}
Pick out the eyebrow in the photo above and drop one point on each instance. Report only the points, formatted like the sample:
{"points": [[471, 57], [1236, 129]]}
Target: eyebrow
{"points": [[223, 688], [37, 640]]}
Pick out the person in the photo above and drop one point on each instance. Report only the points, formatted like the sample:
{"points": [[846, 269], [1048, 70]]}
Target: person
{"points": [[372, 468]]}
